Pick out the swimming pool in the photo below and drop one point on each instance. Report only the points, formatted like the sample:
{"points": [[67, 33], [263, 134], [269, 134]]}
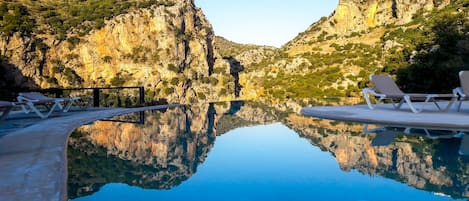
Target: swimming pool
{"points": [[250, 151]]}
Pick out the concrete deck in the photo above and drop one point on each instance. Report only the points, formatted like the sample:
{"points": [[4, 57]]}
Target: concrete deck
{"points": [[385, 114], [33, 156]]}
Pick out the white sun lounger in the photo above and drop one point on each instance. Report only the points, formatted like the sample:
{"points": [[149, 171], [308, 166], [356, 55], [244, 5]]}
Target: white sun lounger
{"points": [[386, 89], [463, 91], [30, 100]]}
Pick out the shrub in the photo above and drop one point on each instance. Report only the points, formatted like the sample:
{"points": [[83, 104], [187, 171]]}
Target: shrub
{"points": [[173, 68], [201, 96], [169, 91], [174, 81]]}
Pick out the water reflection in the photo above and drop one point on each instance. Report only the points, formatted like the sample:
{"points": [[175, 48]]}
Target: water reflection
{"points": [[168, 148], [385, 135]]}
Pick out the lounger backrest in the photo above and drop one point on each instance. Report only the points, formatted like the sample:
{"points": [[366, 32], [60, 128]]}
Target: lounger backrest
{"points": [[384, 84], [464, 79], [35, 96]]}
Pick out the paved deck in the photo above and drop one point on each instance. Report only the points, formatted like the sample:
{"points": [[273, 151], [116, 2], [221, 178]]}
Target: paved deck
{"points": [[33, 154], [430, 117]]}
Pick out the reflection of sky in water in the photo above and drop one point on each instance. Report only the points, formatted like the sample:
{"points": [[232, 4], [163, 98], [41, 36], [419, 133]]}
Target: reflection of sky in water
{"points": [[270, 163]]}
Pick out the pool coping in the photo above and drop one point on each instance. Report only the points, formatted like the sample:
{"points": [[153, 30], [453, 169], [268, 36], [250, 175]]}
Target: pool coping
{"points": [[33, 162], [385, 114]]}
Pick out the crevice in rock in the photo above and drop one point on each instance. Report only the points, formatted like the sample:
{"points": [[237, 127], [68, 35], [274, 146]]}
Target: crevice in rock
{"points": [[394, 8], [235, 68]]}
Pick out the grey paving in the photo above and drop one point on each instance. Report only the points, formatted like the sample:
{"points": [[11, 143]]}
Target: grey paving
{"points": [[385, 114], [33, 155]]}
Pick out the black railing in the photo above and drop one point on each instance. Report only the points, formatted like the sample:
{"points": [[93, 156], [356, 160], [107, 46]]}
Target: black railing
{"points": [[96, 91]]}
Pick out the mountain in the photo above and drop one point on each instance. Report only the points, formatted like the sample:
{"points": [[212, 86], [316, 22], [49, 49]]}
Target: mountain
{"points": [[164, 45], [335, 55], [169, 47]]}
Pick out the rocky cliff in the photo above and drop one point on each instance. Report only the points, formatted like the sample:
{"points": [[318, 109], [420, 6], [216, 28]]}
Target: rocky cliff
{"points": [[355, 16], [166, 47], [335, 56]]}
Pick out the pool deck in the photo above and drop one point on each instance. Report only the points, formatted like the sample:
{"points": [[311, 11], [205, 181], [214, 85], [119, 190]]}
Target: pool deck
{"points": [[33, 163], [385, 114]]}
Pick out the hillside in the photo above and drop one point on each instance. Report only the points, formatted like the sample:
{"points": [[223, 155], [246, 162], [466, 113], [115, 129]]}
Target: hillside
{"points": [[169, 47], [164, 45], [335, 55]]}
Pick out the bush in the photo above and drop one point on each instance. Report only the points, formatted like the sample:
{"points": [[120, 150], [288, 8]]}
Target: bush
{"points": [[201, 96], [174, 81], [169, 91], [173, 68]]}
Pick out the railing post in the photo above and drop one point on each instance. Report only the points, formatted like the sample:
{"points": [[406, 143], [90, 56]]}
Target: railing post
{"points": [[58, 92], [142, 117], [95, 97], [141, 91]]}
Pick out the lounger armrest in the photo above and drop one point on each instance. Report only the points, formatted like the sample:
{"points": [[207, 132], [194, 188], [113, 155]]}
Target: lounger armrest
{"points": [[459, 92], [371, 91], [24, 99]]}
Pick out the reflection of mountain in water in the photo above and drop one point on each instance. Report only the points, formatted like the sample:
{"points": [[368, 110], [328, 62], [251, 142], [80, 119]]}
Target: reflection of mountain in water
{"points": [[160, 154], [167, 149], [431, 165]]}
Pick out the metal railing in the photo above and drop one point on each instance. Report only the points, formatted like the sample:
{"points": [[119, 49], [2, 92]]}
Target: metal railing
{"points": [[96, 92]]}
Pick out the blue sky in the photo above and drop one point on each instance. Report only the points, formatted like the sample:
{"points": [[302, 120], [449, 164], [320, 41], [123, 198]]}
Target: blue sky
{"points": [[264, 22]]}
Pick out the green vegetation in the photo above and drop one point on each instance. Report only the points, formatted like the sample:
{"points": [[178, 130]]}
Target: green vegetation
{"points": [[119, 80], [139, 54], [313, 84], [59, 17], [201, 96], [228, 48], [321, 75], [173, 68], [433, 53], [175, 81], [169, 91]]}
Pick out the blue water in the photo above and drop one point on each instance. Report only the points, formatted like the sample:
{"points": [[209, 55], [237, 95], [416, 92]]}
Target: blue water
{"points": [[269, 162]]}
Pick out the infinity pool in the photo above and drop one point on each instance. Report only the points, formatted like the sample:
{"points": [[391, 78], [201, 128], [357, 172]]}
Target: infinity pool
{"points": [[247, 151]]}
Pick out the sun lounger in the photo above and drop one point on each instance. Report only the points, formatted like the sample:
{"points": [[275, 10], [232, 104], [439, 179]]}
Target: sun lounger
{"points": [[31, 101], [463, 91], [386, 89], [384, 136], [5, 108]]}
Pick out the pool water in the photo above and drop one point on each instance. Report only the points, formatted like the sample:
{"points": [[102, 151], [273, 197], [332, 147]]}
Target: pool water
{"points": [[248, 151]]}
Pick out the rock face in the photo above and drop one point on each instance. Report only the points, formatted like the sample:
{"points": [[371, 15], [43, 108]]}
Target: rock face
{"points": [[166, 48], [356, 15]]}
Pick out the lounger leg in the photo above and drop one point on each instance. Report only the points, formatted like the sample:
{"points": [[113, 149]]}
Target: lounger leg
{"points": [[39, 113], [68, 105], [437, 105], [411, 106], [368, 101], [450, 104], [24, 109], [398, 105], [5, 113]]}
